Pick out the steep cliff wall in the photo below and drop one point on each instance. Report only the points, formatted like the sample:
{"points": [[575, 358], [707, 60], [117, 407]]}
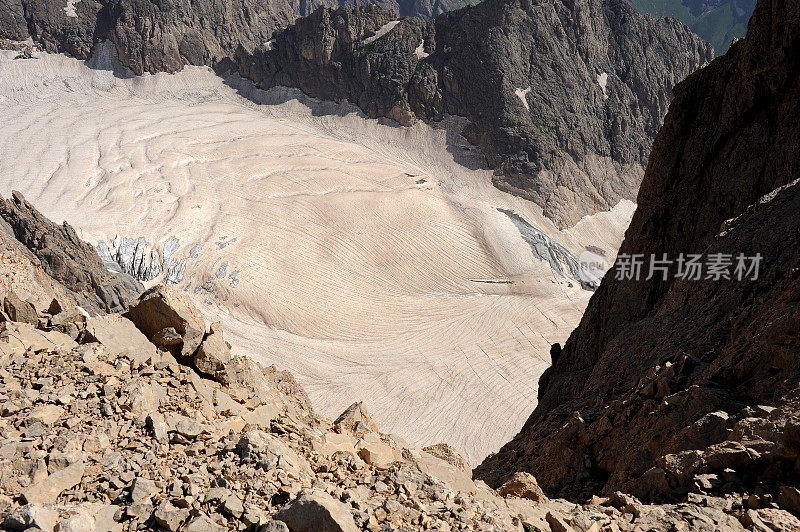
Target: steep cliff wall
{"points": [[665, 376]]}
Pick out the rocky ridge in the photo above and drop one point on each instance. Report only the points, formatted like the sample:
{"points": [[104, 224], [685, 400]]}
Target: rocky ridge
{"points": [[103, 428], [69, 262], [676, 388], [163, 37], [563, 98]]}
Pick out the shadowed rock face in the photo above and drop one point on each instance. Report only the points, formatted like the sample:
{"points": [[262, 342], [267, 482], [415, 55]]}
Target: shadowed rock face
{"points": [[155, 36], [564, 98], [660, 374], [67, 259]]}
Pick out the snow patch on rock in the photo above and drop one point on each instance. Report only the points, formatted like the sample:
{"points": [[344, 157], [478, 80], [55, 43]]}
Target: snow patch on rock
{"points": [[383, 30], [602, 80], [69, 9], [420, 51], [522, 94]]}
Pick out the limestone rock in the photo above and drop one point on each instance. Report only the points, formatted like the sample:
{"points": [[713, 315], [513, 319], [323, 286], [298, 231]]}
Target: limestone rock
{"points": [[202, 523], [161, 307], [524, 486], [447, 453], [48, 489], [317, 512], [374, 451], [355, 420], [119, 335], [31, 516], [142, 488], [18, 310], [170, 517], [214, 354]]}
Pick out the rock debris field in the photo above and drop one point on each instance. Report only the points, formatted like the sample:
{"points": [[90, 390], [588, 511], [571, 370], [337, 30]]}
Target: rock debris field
{"points": [[351, 252]]}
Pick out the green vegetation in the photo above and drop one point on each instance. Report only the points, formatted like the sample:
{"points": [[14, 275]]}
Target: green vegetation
{"points": [[718, 26]]}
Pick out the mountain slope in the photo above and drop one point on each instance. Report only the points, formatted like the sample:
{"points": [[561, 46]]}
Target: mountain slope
{"points": [[152, 36], [71, 262], [716, 21], [667, 380], [564, 98]]}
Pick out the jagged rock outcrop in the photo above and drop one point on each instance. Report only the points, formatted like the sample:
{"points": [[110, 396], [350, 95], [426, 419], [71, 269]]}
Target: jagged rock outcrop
{"points": [[672, 386], [67, 259], [21, 274], [563, 98], [152, 36]]}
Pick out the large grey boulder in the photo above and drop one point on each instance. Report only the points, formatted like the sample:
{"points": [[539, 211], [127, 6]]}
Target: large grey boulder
{"points": [[317, 512]]}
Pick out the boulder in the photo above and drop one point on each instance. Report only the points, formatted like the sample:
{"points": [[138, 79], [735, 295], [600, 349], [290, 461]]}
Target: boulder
{"points": [[274, 526], [161, 307], [74, 316], [214, 354], [375, 452], [789, 498], [331, 442], [48, 489], [44, 414], [447, 453], [436, 467], [356, 420], [31, 516], [202, 523], [170, 517], [18, 310], [317, 512], [524, 486], [119, 335], [271, 451], [142, 488]]}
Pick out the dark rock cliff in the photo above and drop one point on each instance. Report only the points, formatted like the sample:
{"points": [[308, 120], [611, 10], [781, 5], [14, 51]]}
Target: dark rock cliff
{"points": [[163, 36], [564, 98], [671, 386], [69, 260]]}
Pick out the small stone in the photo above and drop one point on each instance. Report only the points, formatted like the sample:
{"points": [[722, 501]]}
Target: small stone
{"points": [[169, 516], [31, 516], [202, 523], [142, 489], [233, 505]]}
